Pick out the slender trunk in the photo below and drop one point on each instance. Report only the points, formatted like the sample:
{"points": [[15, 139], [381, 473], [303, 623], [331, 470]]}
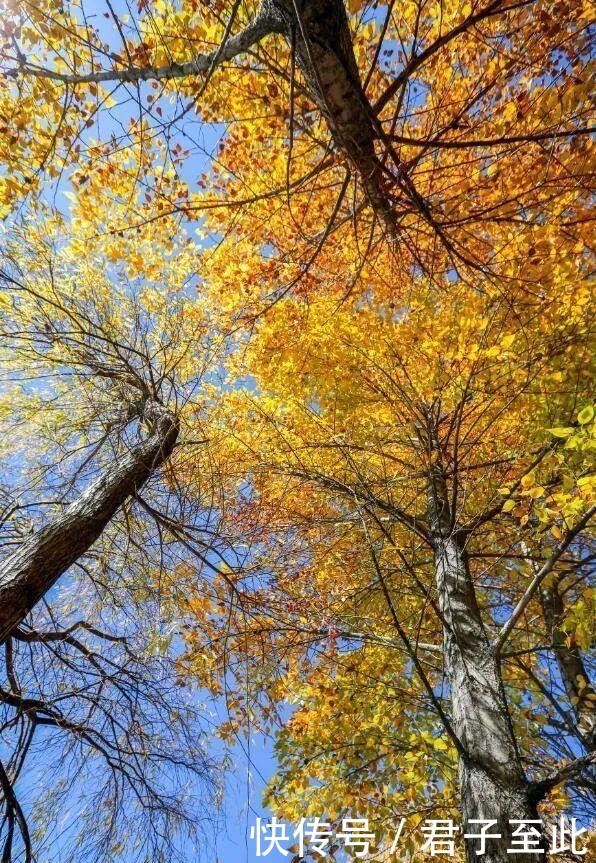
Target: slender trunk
{"points": [[492, 779], [574, 673], [29, 572]]}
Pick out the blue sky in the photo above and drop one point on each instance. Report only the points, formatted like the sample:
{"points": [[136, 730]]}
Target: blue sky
{"points": [[243, 803]]}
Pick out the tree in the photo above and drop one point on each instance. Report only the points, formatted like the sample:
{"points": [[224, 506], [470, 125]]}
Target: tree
{"points": [[416, 505], [404, 191], [407, 97], [91, 693]]}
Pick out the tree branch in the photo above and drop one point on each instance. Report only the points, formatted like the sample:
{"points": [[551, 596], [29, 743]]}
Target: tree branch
{"points": [[539, 578], [494, 8], [264, 23], [31, 570], [540, 788]]}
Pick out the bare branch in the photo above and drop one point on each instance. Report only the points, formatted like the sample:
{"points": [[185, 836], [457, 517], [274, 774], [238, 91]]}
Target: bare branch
{"points": [[540, 788]]}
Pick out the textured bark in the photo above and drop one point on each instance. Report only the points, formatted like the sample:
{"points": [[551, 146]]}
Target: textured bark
{"points": [[492, 779], [262, 26], [571, 666], [29, 572], [318, 31]]}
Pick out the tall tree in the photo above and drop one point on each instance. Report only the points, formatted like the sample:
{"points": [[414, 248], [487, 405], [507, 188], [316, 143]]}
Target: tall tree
{"points": [[94, 389], [396, 195], [417, 511], [426, 106]]}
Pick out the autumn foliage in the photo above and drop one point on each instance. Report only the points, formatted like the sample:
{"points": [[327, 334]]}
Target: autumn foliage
{"points": [[348, 246]]}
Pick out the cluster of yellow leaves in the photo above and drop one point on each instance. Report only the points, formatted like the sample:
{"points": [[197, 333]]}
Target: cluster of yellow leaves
{"points": [[363, 752]]}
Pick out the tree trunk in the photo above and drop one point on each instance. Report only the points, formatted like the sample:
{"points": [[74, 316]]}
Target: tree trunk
{"points": [[319, 33], [574, 673], [492, 779], [29, 572]]}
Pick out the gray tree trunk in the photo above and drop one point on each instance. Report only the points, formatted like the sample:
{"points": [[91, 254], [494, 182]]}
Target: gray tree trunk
{"points": [[28, 573], [574, 673], [319, 33], [492, 779]]}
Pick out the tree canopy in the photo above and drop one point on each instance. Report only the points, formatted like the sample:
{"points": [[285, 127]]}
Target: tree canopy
{"points": [[297, 399]]}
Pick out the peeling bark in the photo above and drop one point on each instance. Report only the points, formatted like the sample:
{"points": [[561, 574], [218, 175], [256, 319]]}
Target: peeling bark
{"points": [[29, 572], [492, 779]]}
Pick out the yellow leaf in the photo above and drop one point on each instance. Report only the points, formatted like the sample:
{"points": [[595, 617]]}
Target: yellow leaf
{"points": [[507, 341]]}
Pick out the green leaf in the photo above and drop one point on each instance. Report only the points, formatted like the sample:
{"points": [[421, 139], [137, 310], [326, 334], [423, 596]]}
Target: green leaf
{"points": [[561, 431]]}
